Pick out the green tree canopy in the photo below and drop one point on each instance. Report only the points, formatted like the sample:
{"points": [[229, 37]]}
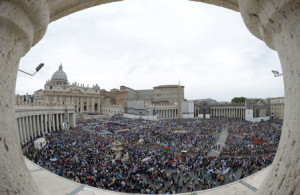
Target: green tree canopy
{"points": [[238, 100]]}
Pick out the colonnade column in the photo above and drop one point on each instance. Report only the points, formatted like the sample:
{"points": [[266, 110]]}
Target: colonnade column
{"points": [[81, 104], [49, 123], [24, 129], [27, 128], [38, 120], [34, 127], [46, 123], [31, 127], [52, 122], [57, 122], [20, 130], [61, 120], [42, 124]]}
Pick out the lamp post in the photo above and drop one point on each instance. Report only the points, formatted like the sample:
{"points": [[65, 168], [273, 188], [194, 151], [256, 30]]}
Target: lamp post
{"points": [[39, 67], [276, 73]]}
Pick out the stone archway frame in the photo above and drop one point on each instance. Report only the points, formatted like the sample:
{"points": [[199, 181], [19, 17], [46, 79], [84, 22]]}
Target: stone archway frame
{"points": [[24, 23]]}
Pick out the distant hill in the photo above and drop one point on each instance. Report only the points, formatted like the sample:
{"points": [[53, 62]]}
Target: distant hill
{"points": [[208, 100]]}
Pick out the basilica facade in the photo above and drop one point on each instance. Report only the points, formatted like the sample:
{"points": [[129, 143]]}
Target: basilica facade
{"points": [[59, 91]]}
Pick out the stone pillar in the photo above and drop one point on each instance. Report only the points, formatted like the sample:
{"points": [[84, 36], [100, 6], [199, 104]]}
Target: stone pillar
{"points": [[31, 127], [53, 122], [22, 130], [93, 105], [42, 124], [38, 125], [49, 122], [72, 120], [34, 126], [81, 104], [61, 120], [19, 130], [22, 24], [278, 24], [27, 128], [57, 122], [46, 123]]}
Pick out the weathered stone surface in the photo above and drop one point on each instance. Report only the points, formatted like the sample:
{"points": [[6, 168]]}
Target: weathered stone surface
{"points": [[230, 4], [22, 24], [61, 8], [278, 24]]}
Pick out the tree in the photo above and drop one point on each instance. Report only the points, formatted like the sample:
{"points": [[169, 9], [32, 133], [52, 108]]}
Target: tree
{"points": [[238, 100]]}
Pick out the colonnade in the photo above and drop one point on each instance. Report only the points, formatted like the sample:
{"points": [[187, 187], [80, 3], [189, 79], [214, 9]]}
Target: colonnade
{"points": [[33, 126], [167, 113], [34, 121], [228, 112]]}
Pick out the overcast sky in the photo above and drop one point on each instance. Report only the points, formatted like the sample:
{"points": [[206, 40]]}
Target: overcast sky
{"points": [[145, 43]]}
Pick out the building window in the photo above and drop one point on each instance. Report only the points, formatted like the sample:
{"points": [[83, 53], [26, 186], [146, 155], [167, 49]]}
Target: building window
{"points": [[256, 112]]}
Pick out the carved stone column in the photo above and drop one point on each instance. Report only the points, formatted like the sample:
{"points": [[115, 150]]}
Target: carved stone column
{"points": [[42, 125], [38, 127], [22, 24], [278, 24]]}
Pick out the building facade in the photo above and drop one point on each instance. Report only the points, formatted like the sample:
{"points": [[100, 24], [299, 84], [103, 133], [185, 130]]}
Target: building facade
{"points": [[167, 94], [277, 108], [58, 90], [252, 110]]}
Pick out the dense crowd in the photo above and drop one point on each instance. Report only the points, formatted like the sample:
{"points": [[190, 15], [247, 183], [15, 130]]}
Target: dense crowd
{"points": [[247, 138], [154, 159]]}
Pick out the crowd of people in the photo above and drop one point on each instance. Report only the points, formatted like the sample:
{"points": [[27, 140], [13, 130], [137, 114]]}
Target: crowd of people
{"points": [[155, 157], [247, 138]]}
